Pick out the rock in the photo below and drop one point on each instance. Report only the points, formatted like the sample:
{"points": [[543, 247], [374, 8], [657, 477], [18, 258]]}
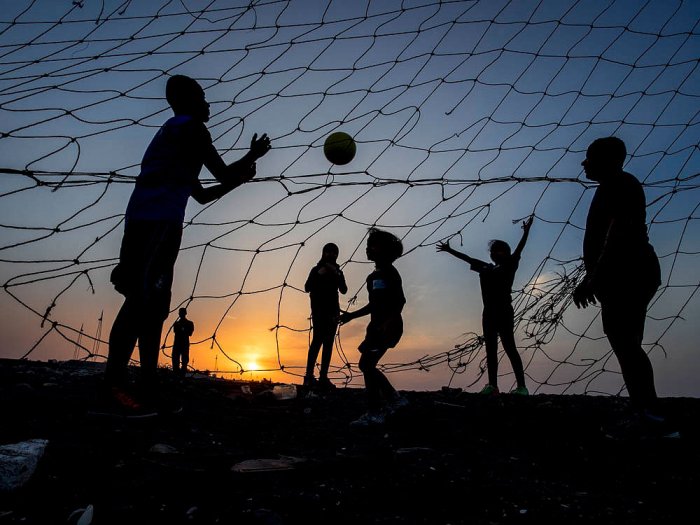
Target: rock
{"points": [[267, 464], [18, 462], [162, 448]]}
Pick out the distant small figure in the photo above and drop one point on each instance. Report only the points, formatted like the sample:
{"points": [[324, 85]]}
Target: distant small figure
{"points": [[498, 317], [622, 272], [152, 233], [183, 328], [325, 280], [386, 301]]}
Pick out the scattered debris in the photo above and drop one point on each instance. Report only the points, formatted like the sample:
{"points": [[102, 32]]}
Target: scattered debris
{"points": [[161, 448], [282, 392], [18, 462], [267, 464]]}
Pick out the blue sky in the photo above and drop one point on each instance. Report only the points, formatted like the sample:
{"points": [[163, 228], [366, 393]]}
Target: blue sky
{"points": [[468, 116]]}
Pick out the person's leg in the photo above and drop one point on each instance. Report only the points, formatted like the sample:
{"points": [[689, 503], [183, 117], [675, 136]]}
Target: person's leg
{"points": [[122, 340], [491, 345], [314, 347], [185, 357], [376, 383], [149, 348], [505, 330], [328, 339], [623, 322], [176, 358]]}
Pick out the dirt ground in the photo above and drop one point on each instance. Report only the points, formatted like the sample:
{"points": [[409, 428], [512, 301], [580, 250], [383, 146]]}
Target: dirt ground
{"points": [[448, 458]]}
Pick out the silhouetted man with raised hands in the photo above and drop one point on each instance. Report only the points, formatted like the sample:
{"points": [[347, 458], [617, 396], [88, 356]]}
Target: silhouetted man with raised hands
{"points": [[622, 272], [153, 222]]}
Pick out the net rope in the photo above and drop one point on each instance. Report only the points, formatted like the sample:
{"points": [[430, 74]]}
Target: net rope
{"points": [[464, 113]]}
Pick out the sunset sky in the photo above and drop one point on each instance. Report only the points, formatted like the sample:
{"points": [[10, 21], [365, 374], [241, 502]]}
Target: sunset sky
{"points": [[468, 117]]}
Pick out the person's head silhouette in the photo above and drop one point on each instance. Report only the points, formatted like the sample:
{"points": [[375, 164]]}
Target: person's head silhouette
{"points": [[604, 157], [183, 313], [499, 251], [330, 253], [383, 247], [186, 97]]}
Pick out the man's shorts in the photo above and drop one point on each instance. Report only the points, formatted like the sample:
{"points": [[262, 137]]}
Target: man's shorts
{"points": [[625, 295], [146, 261]]}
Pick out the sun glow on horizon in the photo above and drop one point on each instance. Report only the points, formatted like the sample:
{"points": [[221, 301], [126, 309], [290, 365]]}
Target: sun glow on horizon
{"points": [[251, 363]]}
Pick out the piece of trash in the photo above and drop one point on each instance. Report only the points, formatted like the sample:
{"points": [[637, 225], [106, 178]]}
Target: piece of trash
{"points": [[413, 450], [76, 515], [86, 518], [267, 464], [268, 517], [282, 392], [162, 448], [18, 462], [442, 403]]}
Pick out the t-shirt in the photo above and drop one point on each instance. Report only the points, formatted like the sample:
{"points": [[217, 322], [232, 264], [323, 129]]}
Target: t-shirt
{"points": [[169, 170], [496, 282], [386, 301], [183, 329], [628, 250], [323, 289], [386, 298]]}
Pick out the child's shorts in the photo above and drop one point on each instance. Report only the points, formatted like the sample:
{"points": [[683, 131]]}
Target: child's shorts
{"points": [[384, 334]]}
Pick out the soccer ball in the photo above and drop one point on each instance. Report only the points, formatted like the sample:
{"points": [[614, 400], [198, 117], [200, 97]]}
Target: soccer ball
{"points": [[339, 148]]}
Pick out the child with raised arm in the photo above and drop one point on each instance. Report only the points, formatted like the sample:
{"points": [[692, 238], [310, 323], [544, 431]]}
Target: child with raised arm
{"points": [[325, 280], [496, 284], [386, 301], [153, 230]]}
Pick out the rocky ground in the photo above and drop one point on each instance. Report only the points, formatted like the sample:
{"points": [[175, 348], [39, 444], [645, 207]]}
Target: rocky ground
{"points": [[448, 458]]}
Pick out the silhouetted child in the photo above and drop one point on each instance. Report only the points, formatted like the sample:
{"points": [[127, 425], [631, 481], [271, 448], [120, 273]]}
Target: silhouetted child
{"points": [[325, 280], [183, 328], [153, 230], [386, 301], [496, 285]]}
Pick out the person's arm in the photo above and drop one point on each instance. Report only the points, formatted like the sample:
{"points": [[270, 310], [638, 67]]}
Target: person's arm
{"points": [[211, 193], [310, 283], [238, 172], [342, 285], [232, 175], [349, 316], [527, 223], [445, 247], [583, 294]]}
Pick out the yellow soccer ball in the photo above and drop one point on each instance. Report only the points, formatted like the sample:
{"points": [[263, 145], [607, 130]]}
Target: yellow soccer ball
{"points": [[339, 148]]}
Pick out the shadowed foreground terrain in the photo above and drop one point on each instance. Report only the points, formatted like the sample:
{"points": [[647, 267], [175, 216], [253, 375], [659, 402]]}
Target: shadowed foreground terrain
{"points": [[447, 458]]}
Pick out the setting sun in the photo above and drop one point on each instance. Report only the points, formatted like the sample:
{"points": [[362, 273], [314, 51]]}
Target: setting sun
{"points": [[251, 365]]}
